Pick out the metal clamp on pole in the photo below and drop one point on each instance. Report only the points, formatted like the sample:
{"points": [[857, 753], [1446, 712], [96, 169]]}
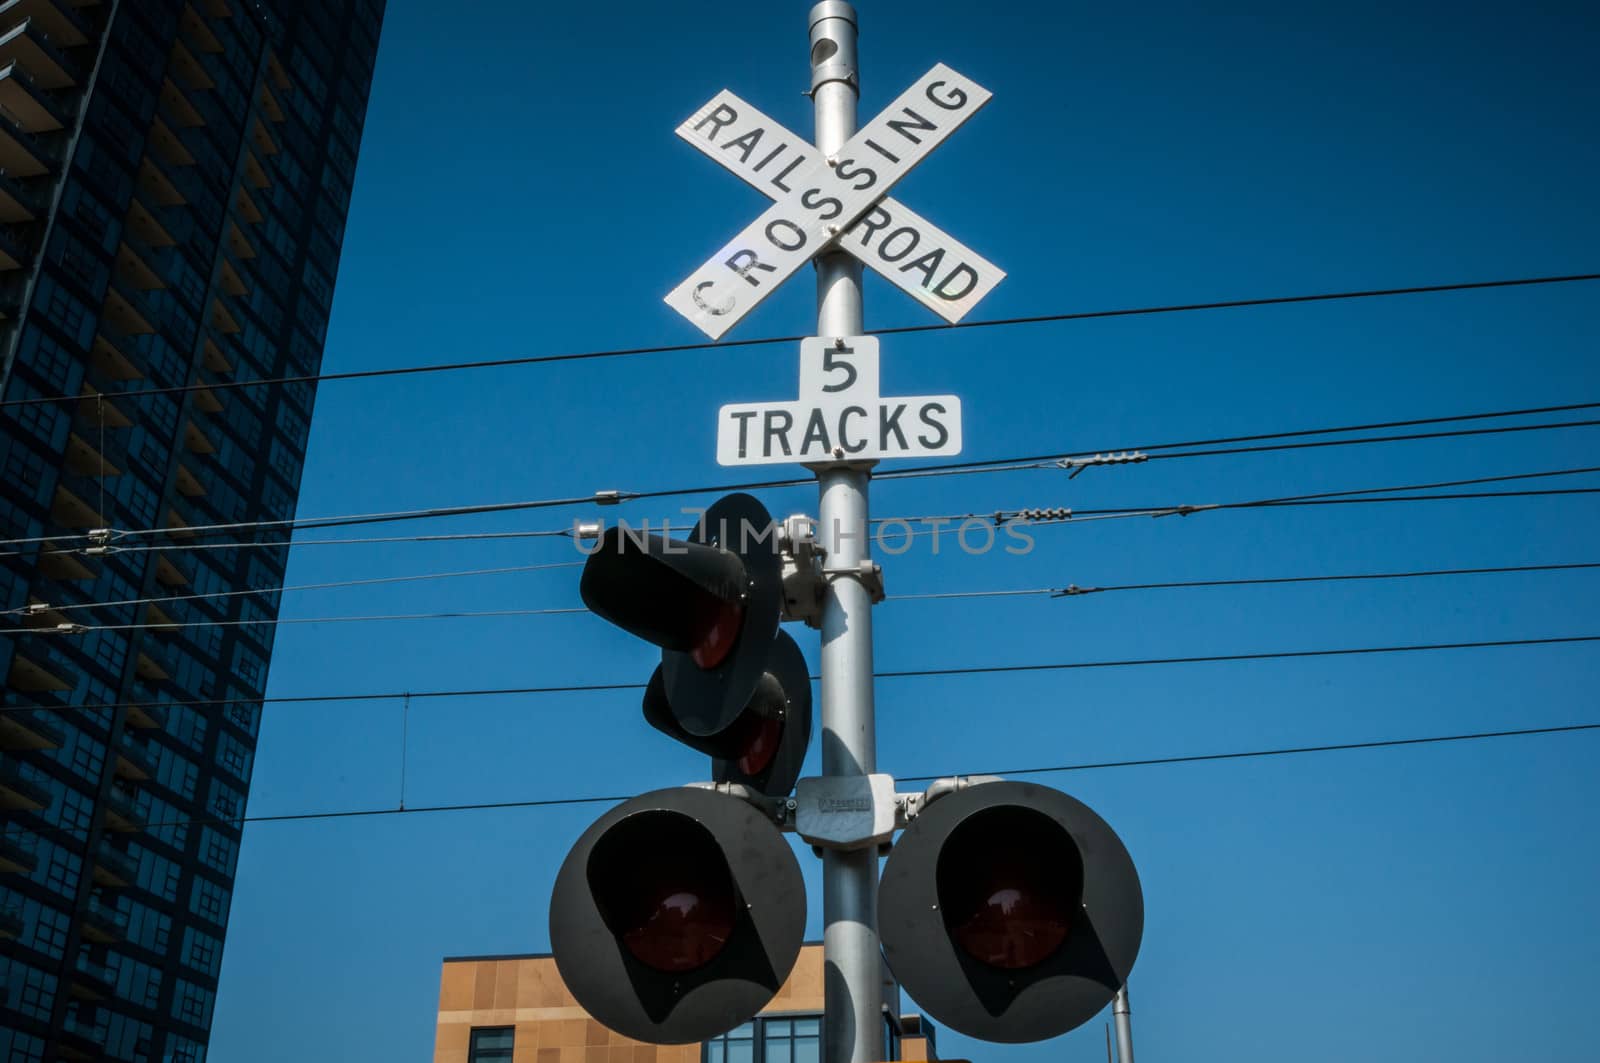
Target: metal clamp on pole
{"points": [[907, 806], [775, 808], [803, 582]]}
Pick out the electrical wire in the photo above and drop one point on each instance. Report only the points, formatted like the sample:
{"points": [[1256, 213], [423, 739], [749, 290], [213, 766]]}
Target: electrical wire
{"points": [[502, 507], [1282, 751], [678, 348], [617, 497], [1070, 591], [156, 625], [249, 591], [1000, 669], [1073, 590], [553, 802]]}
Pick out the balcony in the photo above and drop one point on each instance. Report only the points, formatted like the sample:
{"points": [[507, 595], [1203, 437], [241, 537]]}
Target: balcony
{"points": [[103, 923], [168, 148], [181, 109], [69, 510], [158, 189], [135, 270], [92, 980], [83, 1036], [134, 762], [101, 411], [21, 788], [57, 21], [16, 852], [30, 729], [188, 70], [27, 103], [126, 313], [21, 153], [147, 716], [83, 459], [12, 923], [30, 44], [63, 566], [113, 867], [170, 570], [14, 246], [122, 812], [109, 364], [18, 203], [270, 106], [35, 672]]}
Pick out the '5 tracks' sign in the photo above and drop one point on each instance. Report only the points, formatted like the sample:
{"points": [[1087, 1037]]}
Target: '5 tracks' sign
{"points": [[840, 415]]}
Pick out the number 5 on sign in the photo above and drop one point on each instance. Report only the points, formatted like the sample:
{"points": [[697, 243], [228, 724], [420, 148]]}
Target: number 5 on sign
{"points": [[840, 416]]}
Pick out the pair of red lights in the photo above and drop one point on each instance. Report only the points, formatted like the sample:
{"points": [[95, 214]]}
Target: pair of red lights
{"points": [[1006, 902]]}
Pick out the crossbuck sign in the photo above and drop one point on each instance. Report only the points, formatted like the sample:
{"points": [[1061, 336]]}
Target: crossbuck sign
{"points": [[838, 201]]}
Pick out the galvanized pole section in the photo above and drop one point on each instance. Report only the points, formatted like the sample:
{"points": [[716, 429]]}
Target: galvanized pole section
{"points": [[853, 990], [1124, 1017]]}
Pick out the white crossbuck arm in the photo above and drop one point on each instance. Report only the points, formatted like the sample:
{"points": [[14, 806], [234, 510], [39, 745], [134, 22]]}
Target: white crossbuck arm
{"points": [[827, 196], [910, 252]]}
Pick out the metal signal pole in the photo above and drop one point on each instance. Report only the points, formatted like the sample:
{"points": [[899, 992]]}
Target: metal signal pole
{"points": [[1124, 1017], [853, 980]]}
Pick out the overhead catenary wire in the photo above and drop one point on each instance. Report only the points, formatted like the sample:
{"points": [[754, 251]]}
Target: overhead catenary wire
{"points": [[678, 348], [615, 497], [911, 673], [1068, 591], [1074, 590], [505, 570], [556, 802]]}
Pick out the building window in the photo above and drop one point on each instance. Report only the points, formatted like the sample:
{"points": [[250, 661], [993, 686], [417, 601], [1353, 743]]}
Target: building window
{"points": [[775, 1039], [490, 1044]]}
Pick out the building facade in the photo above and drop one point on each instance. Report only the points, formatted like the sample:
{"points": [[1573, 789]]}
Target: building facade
{"points": [[174, 181], [515, 1009]]}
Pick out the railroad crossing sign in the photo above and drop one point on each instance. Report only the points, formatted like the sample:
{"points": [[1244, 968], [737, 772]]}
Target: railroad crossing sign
{"points": [[839, 199], [840, 415]]}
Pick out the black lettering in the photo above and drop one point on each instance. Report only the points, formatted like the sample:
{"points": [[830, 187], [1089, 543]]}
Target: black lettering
{"points": [[775, 153], [720, 118], [848, 170], [777, 180], [883, 248], [744, 428], [871, 222], [904, 127], [971, 277], [925, 265], [875, 146], [887, 423], [944, 433], [746, 143], [843, 442], [700, 300], [745, 260], [813, 199], [798, 235], [778, 432], [817, 432], [954, 101]]}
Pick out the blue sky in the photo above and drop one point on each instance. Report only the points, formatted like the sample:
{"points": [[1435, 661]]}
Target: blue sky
{"points": [[521, 192]]}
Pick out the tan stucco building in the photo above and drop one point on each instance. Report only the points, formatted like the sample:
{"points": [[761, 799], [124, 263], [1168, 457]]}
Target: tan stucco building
{"points": [[515, 1008]]}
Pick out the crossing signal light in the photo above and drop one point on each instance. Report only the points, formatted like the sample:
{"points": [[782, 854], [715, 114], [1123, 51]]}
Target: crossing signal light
{"points": [[730, 684], [677, 915], [1010, 911]]}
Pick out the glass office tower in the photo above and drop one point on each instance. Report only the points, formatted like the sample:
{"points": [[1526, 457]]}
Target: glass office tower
{"points": [[174, 179]]}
